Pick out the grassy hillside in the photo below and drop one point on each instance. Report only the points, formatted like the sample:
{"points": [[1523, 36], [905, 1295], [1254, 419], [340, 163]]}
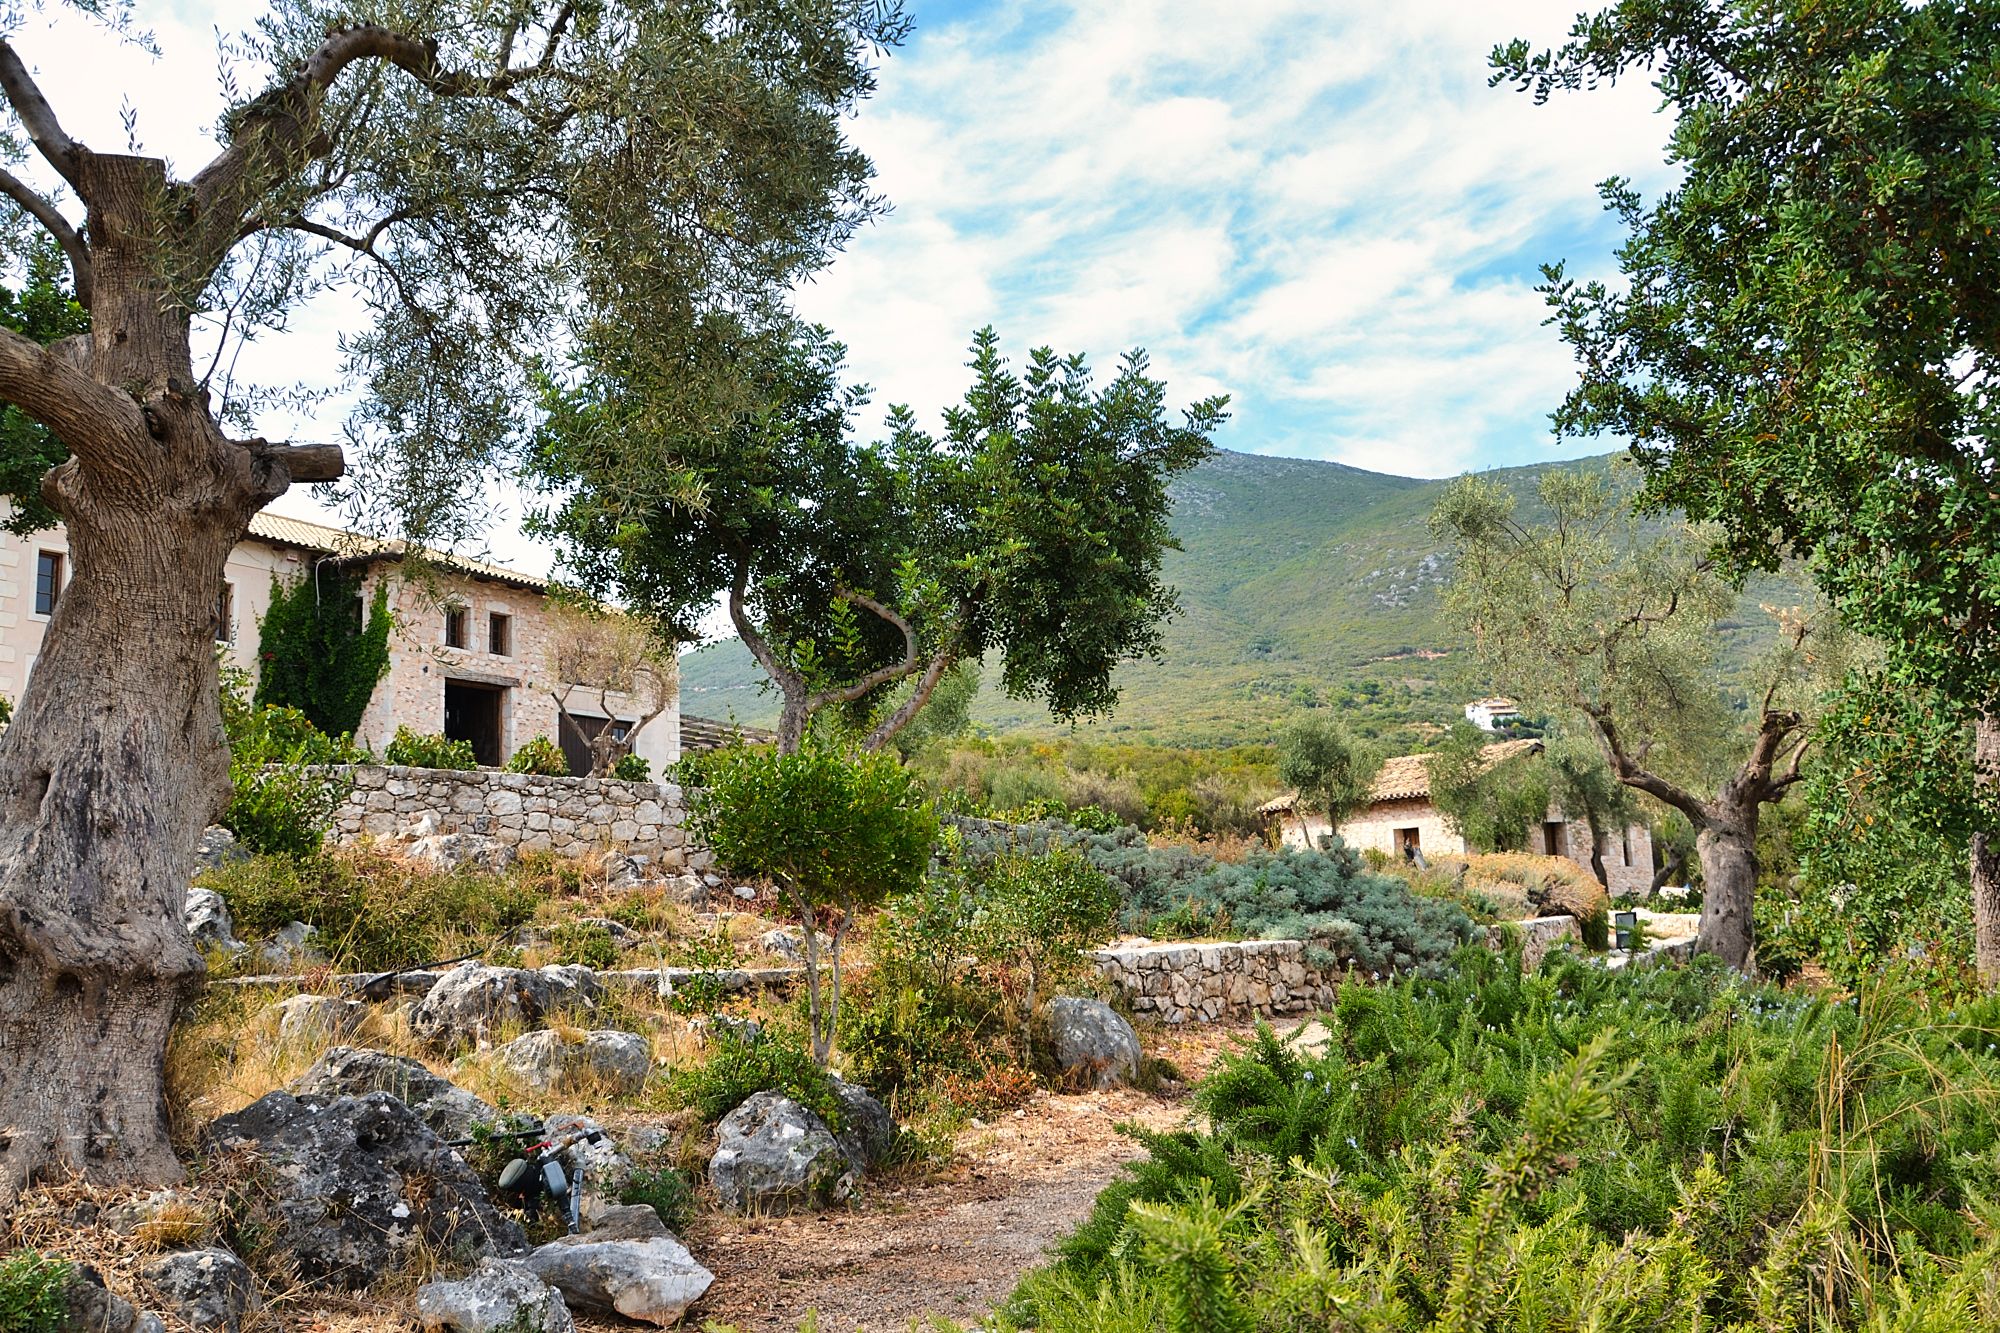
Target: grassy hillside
{"points": [[1302, 583]]}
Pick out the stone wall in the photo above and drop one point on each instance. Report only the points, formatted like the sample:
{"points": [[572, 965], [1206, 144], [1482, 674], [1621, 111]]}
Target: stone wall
{"points": [[1239, 980], [1206, 983], [570, 815]]}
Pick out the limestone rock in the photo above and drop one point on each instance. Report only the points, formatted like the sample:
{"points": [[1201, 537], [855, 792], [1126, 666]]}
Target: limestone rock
{"points": [[207, 1288], [207, 919], [633, 1267], [500, 1296], [91, 1307], [217, 848], [468, 1003], [1091, 1038], [305, 1019], [789, 943], [291, 947], [448, 851], [449, 1110], [357, 1184], [618, 1061], [773, 1155], [869, 1132]]}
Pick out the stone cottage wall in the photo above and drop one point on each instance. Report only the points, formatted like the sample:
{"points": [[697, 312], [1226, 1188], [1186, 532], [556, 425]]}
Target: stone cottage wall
{"points": [[570, 815], [1206, 983]]}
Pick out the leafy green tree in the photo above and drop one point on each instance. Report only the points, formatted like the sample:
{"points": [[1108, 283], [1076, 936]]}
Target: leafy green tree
{"points": [[1032, 528], [497, 186], [1331, 771], [44, 310], [1035, 917], [1802, 349], [285, 773], [1588, 614], [835, 833], [317, 654], [1494, 806]]}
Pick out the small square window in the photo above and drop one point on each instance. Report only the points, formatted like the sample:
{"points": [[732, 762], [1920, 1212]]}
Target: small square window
{"points": [[48, 581], [455, 626], [225, 615], [500, 634]]}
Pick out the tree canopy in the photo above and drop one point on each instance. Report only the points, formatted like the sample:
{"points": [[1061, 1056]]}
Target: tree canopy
{"points": [[1495, 807], [1331, 771], [1031, 529], [1802, 350]]}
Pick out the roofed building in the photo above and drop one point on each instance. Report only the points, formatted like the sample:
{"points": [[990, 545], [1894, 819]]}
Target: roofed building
{"points": [[1401, 820], [468, 658]]}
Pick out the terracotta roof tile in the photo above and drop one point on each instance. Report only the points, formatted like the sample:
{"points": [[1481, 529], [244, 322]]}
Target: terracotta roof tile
{"points": [[1407, 776]]}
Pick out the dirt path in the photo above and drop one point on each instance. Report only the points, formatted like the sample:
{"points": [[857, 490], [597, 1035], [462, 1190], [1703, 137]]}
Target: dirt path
{"points": [[951, 1247]]}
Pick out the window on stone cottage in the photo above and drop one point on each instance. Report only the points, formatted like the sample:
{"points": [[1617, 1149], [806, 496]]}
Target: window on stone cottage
{"points": [[500, 634], [48, 581], [456, 620]]}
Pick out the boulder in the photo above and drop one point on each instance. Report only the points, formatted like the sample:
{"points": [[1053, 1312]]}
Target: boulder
{"points": [[868, 1132], [789, 943], [217, 848], [351, 1071], [772, 1155], [91, 1307], [470, 1002], [291, 947], [306, 1019], [632, 1265], [1093, 1040], [358, 1184], [616, 1061], [206, 1288], [207, 918], [500, 1296], [448, 851]]}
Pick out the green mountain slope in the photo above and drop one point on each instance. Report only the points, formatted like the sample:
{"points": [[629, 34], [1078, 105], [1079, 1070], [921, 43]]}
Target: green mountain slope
{"points": [[1301, 583]]}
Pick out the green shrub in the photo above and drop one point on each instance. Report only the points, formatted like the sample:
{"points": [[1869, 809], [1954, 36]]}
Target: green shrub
{"points": [[735, 1069], [1566, 1149], [285, 775], [412, 749], [586, 942], [632, 768], [31, 1292], [540, 756], [835, 833], [665, 1190], [1033, 918], [373, 911]]}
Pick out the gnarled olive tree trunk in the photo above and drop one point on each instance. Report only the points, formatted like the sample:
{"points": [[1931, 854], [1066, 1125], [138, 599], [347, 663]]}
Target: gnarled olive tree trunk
{"points": [[114, 760]]}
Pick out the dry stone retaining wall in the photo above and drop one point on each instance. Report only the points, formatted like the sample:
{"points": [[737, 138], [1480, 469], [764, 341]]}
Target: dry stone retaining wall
{"points": [[1205, 983], [524, 810], [1241, 979]]}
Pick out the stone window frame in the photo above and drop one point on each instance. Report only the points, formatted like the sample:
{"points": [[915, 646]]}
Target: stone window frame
{"points": [[457, 625], [51, 575], [500, 631]]}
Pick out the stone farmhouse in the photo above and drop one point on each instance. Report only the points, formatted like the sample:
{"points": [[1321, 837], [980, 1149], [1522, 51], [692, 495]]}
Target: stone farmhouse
{"points": [[469, 657], [1400, 820]]}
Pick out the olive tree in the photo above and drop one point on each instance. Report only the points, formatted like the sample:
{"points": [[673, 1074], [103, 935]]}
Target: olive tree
{"points": [[1589, 614], [491, 182], [1331, 772], [599, 651], [1493, 803]]}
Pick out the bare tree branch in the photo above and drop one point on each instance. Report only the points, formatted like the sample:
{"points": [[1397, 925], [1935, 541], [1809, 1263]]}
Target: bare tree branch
{"points": [[927, 684], [1634, 774], [57, 226], [912, 658], [38, 118]]}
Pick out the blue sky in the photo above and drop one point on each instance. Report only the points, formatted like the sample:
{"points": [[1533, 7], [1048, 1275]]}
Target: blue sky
{"points": [[1315, 206]]}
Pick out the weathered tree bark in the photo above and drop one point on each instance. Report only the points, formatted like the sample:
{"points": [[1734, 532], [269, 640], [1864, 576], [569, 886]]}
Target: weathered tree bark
{"points": [[1986, 855], [1674, 863], [1725, 826], [1728, 855], [114, 760]]}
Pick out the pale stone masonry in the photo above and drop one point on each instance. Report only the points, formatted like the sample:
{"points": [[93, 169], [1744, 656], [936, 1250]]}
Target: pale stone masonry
{"points": [[1207, 983], [568, 815]]}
